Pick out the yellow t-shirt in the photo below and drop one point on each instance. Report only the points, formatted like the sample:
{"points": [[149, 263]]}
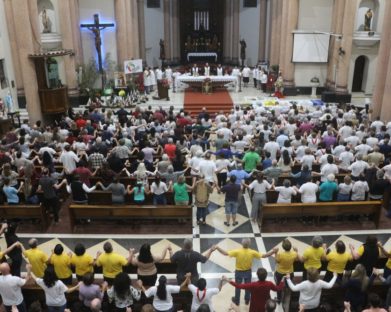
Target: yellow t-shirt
{"points": [[111, 264], [337, 261], [285, 260], [61, 265], [1, 255], [37, 259], [82, 264], [244, 258], [388, 263], [312, 257]]}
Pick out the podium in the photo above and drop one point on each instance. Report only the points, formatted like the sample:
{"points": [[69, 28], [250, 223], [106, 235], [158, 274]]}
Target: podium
{"points": [[162, 89]]}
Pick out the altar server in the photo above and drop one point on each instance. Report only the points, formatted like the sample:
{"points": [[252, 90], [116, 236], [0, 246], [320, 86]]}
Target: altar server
{"points": [[194, 70], [219, 70], [207, 70], [246, 75]]}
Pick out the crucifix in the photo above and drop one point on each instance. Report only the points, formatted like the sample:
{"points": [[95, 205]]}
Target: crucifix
{"points": [[96, 27]]}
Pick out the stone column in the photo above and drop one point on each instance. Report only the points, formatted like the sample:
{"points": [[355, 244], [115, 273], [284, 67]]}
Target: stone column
{"points": [[130, 31], [121, 32], [235, 35], [24, 38], [227, 53], [175, 32], [336, 24], [262, 29], [141, 28], [289, 66], [76, 36], [67, 43], [14, 45], [275, 31], [167, 29], [346, 44], [381, 95], [283, 34], [135, 31]]}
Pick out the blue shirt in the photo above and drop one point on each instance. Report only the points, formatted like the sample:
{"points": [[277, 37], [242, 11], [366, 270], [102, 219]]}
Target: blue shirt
{"points": [[12, 194], [327, 190], [240, 175], [266, 163]]}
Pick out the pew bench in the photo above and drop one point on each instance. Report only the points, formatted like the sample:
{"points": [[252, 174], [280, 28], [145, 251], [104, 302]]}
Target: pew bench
{"points": [[322, 209], [121, 212], [25, 212]]}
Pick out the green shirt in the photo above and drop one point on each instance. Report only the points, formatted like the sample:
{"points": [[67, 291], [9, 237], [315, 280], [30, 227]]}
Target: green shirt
{"points": [[327, 190], [251, 159], [180, 191]]}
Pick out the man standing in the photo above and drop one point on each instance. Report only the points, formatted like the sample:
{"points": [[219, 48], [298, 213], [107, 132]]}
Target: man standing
{"points": [[246, 75], [68, 159], [186, 260], [10, 288], [36, 257], [111, 262], [232, 196], [49, 185], [194, 70], [251, 159], [207, 70], [244, 260], [219, 70], [263, 81]]}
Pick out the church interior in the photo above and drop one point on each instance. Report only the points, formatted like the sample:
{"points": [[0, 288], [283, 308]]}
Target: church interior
{"points": [[161, 155]]}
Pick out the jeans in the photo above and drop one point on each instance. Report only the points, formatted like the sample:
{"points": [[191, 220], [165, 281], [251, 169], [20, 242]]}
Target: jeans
{"points": [[231, 208], [257, 202], [159, 199], [52, 205], [242, 276], [21, 307], [57, 309], [278, 278], [201, 213], [221, 179]]}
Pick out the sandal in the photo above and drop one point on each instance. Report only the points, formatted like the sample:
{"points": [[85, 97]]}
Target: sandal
{"points": [[226, 224], [235, 223]]}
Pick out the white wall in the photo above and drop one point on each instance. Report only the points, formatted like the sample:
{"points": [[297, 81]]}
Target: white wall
{"points": [[154, 31], [105, 9], [314, 15], [5, 53], [249, 31]]}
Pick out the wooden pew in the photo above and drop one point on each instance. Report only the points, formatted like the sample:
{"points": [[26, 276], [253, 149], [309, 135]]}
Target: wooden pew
{"points": [[120, 212], [25, 212], [320, 209]]}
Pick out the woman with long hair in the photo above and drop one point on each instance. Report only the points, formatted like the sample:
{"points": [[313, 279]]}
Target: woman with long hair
{"points": [[311, 289], [356, 288], [285, 162], [54, 290], [145, 262], [367, 254], [11, 239], [162, 298], [122, 293]]}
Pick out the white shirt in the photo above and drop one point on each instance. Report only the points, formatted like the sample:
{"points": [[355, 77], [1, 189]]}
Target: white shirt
{"points": [[346, 159], [307, 160], [159, 189], [235, 72], [363, 149], [55, 295], [263, 78], [310, 292], [359, 189], [344, 188], [272, 147], [358, 167], [285, 194], [162, 305], [219, 71], [246, 72], [206, 299], [328, 169], [352, 140], [10, 289], [387, 171], [208, 168], [222, 165], [206, 71], [308, 192], [260, 188], [345, 132], [69, 160]]}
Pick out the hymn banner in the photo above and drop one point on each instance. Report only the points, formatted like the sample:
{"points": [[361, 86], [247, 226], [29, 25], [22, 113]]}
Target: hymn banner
{"points": [[133, 66]]}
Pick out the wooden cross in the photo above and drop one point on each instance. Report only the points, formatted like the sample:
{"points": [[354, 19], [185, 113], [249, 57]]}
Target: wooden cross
{"points": [[96, 27]]}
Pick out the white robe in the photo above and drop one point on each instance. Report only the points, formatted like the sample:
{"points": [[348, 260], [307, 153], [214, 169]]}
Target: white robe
{"points": [[168, 73], [159, 74], [207, 71], [194, 71], [219, 71]]}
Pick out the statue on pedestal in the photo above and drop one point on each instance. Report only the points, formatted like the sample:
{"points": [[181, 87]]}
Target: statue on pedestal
{"points": [[162, 50], [368, 19], [47, 24], [243, 47]]}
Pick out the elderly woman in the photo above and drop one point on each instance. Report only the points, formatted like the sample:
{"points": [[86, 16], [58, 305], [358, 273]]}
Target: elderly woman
{"points": [[181, 191], [313, 255], [328, 189]]}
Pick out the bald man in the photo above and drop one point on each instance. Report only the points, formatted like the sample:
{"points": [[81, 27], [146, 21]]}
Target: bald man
{"points": [[36, 257], [10, 288]]}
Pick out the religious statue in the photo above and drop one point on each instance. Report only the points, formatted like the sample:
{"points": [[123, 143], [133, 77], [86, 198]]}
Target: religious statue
{"points": [[162, 50], [368, 19], [243, 47], [9, 102], [47, 24]]}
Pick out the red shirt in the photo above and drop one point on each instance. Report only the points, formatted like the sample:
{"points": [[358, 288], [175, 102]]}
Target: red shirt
{"points": [[84, 174], [81, 123], [170, 149], [260, 293]]}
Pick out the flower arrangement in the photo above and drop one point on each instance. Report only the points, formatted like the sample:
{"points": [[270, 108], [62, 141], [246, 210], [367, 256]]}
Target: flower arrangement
{"points": [[279, 83], [314, 79], [165, 83]]}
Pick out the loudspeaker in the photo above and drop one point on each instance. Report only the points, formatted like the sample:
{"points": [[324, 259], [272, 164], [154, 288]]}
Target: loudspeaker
{"points": [[153, 3], [329, 97], [250, 3], [344, 98]]}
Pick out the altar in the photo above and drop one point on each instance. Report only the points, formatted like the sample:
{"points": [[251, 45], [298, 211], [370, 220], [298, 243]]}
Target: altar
{"points": [[215, 81]]}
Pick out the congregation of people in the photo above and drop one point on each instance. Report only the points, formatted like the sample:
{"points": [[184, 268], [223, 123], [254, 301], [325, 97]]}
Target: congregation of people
{"points": [[177, 158]]}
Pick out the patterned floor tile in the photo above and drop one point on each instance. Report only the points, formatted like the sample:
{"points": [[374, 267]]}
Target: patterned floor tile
{"points": [[217, 218]]}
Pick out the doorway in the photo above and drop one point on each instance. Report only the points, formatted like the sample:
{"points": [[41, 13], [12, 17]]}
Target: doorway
{"points": [[359, 72]]}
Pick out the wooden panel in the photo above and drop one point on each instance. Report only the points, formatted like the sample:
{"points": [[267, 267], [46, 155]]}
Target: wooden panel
{"points": [[54, 101]]}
